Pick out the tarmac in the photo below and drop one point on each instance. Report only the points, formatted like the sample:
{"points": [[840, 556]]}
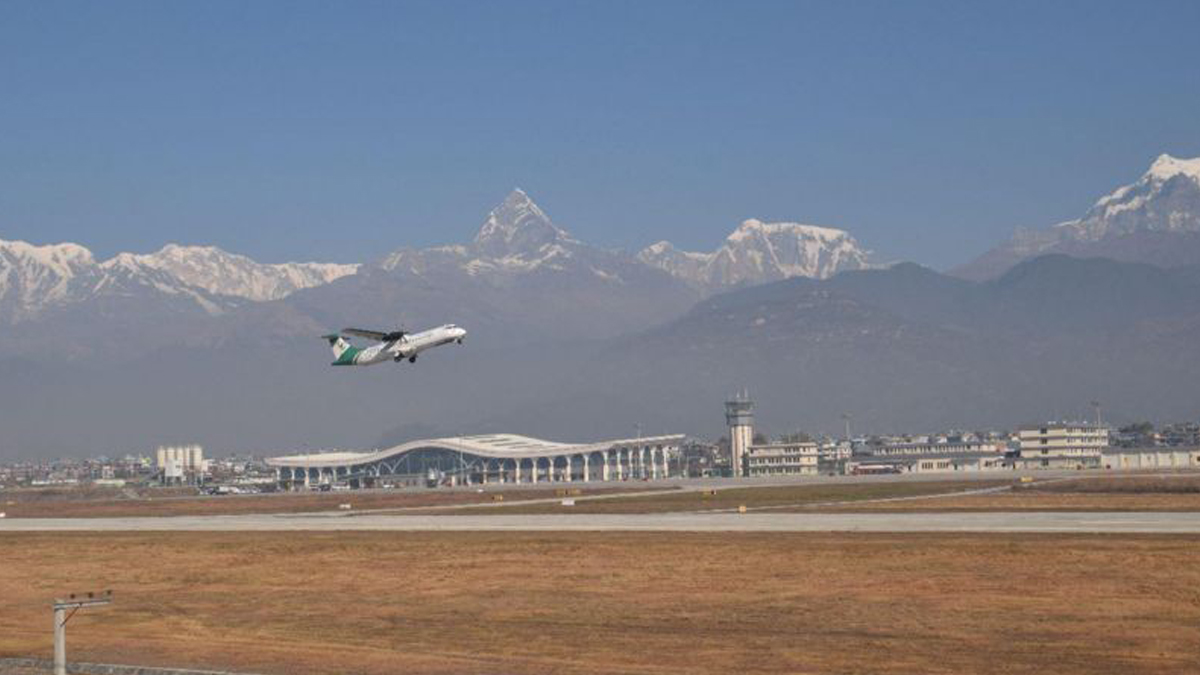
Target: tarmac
{"points": [[1062, 522]]}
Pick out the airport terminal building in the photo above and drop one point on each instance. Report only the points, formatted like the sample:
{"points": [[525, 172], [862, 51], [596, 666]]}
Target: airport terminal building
{"points": [[480, 460]]}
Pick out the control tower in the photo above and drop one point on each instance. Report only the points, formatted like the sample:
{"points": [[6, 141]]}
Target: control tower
{"points": [[739, 416]]}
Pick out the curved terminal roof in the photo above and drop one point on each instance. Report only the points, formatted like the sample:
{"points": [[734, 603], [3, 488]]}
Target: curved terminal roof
{"points": [[495, 446]]}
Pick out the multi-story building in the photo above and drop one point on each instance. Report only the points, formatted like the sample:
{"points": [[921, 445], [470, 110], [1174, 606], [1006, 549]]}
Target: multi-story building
{"points": [[833, 456], [1062, 445], [783, 459]]}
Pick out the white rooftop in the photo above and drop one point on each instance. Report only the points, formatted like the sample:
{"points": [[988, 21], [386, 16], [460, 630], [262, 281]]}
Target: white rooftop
{"points": [[486, 445]]}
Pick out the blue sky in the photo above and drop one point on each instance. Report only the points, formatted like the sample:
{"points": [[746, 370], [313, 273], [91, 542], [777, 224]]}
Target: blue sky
{"points": [[338, 131]]}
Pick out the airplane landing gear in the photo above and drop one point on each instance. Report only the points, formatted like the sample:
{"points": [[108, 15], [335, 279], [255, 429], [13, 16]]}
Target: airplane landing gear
{"points": [[412, 359]]}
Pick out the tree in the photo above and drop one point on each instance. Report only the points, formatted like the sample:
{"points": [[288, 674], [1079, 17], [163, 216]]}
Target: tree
{"points": [[1139, 428], [796, 437]]}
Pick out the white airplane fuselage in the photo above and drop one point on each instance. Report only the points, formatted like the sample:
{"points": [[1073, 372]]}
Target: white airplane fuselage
{"points": [[407, 346]]}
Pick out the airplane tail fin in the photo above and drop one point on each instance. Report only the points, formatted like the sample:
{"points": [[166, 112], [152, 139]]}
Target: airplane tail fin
{"points": [[342, 351]]}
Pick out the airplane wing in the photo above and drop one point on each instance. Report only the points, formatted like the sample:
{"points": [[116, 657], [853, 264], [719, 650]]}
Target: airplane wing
{"points": [[368, 334], [374, 334]]}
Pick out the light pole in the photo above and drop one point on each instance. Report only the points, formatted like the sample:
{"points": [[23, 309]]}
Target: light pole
{"points": [[61, 617]]}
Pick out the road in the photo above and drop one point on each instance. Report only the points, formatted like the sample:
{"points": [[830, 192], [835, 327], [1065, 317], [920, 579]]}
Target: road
{"points": [[1084, 522]]}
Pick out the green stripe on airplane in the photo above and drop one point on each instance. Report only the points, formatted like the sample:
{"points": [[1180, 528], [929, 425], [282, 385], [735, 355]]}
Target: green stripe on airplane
{"points": [[346, 358]]}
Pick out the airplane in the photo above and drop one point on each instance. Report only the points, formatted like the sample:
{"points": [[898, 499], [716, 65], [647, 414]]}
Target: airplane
{"points": [[392, 346]]}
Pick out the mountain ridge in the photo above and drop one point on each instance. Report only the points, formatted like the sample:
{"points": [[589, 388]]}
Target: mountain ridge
{"points": [[35, 279], [574, 341], [517, 243], [758, 252]]}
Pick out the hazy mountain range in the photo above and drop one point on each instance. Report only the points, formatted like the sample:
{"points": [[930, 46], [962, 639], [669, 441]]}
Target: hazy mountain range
{"points": [[575, 341], [516, 244]]}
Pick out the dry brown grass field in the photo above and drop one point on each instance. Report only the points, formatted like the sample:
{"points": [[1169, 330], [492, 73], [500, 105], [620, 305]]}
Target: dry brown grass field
{"points": [[614, 602], [1031, 501], [1128, 492], [1177, 483], [800, 494], [83, 503]]}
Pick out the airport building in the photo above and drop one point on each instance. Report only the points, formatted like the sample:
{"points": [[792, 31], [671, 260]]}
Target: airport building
{"points": [[480, 460], [1132, 459], [1061, 445], [930, 463], [783, 459], [799, 458]]}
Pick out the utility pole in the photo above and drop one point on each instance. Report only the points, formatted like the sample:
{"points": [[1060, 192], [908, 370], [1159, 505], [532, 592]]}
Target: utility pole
{"points": [[73, 603]]}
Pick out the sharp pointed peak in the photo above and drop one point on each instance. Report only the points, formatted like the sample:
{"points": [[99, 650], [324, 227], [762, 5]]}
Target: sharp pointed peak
{"points": [[517, 223], [520, 199], [516, 194]]}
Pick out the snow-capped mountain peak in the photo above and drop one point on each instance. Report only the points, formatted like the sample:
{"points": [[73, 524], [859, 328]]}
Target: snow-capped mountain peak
{"points": [[1166, 167], [518, 226], [758, 251], [753, 227], [218, 271], [33, 275], [35, 278], [57, 255], [1166, 198], [658, 248], [519, 240], [1155, 219]]}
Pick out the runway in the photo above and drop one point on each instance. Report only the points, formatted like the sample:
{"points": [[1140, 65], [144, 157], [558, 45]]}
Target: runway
{"points": [[1065, 522]]}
